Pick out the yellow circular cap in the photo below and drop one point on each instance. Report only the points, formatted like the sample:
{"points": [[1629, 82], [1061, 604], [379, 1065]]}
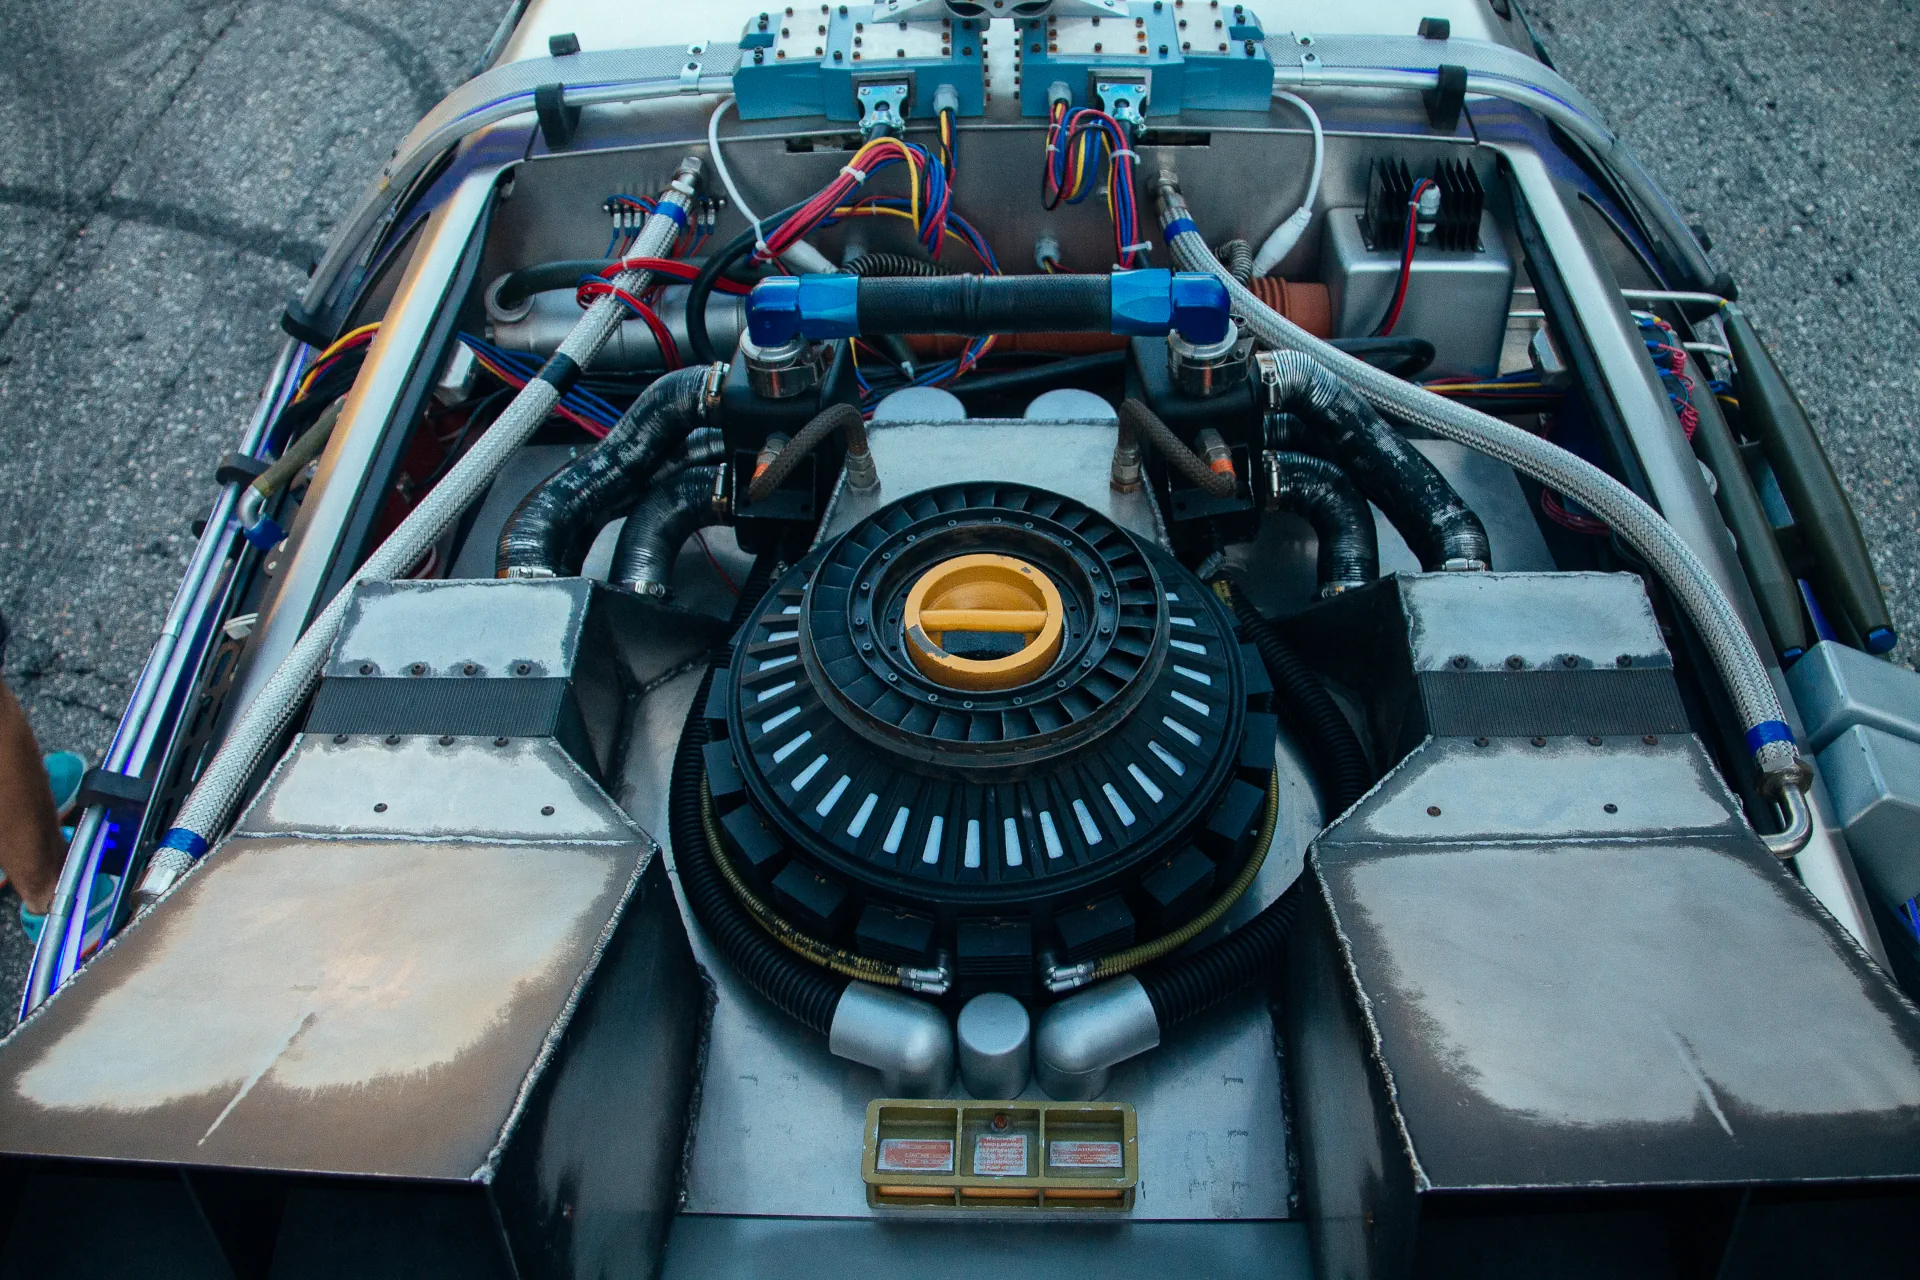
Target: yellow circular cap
{"points": [[984, 593]]}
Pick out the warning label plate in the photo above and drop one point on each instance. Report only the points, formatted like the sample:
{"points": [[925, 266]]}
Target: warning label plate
{"points": [[916, 1155], [1000, 1155], [1084, 1155]]}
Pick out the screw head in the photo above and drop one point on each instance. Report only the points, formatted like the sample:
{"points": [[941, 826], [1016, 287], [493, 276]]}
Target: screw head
{"points": [[418, 668], [1480, 742], [1611, 808], [1515, 662], [470, 669], [1539, 742], [446, 739], [546, 811], [499, 742], [381, 807], [1624, 660], [366, 668], [1593, 739], [1433, 811], [393, 739], [1651, 740], [339, 737], [1569, 661], [1460, 662], [521, 668]]}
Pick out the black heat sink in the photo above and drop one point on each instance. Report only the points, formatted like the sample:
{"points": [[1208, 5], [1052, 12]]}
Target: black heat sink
{"points": [[1390, 185]]}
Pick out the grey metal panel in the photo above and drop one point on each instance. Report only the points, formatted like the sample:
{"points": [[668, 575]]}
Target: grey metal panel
{"points": [[449, 626], [1510, 789], [373, 1006], [1837, 688], [1457, 298], [1874, 779], [747, 1248], [1070, 458], [528, 789], [780, 1123], [1540, 618]]}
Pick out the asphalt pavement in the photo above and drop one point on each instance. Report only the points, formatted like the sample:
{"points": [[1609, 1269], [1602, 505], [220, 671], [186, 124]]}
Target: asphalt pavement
{"points": [[173, 166]]}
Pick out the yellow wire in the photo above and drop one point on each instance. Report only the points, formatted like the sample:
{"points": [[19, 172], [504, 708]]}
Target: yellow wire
{"points": [[306, 383]]}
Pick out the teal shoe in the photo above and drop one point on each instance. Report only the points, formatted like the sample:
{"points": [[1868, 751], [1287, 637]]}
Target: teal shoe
{"points": [[97, 907], [65, 769]]}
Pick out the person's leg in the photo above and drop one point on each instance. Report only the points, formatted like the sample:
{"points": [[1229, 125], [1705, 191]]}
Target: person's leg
{"points": [[30, 849]]}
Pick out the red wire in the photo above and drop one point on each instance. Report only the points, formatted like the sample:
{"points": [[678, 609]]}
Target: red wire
{"points": [[1406, 260], [669, 350], [674, 269]]}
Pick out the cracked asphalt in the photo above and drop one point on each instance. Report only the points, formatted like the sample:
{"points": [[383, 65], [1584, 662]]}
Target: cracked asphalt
{"points": [[173, 166]]}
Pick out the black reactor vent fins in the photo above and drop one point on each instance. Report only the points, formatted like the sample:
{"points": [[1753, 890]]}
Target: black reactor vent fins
{"points": [[986, 722]]}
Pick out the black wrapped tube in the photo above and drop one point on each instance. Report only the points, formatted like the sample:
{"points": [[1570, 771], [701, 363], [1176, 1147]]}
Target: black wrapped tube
{"points": [[804, 991], [549, 533], [1437, 524], [835, 417], [1141, 425], [651, 538], [1191, 984], [986, 304], [1312, 715], [1321, 493], [516, 287], [894, 264]]}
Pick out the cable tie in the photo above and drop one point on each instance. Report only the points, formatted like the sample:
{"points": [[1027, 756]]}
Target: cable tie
{"points": [[1145, 246], [856, 174], [1128, 152]]}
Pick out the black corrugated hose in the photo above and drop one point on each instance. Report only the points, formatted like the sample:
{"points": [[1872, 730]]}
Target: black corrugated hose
{"points": [[1141, 425], [835, 417], [650, 540], [894, 264], [1342, 521], [1191, 984], [802, 990], [1429, 513], [552, 528]]}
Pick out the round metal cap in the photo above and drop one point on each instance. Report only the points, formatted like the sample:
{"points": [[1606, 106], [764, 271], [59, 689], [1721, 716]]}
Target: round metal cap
{"points": [[994, 1040]]}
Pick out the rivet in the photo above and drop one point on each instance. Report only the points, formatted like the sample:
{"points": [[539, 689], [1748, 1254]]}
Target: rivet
{"points": [[470, 669], [446, 739], [1479, 742], [1515, 662], [1651, 740], [521, 668], [1624, 660], [1019, 702], [967, 705], [1433, 811], [1569, 661], [381, 807], [366, 668], [1593, 740], [1611, 808], [499, 742], [1460, 662], [393, 739], [1539, 742], [893, 678], [546, 811]]}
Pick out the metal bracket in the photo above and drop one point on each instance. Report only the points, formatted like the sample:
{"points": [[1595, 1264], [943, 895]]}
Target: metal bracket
{"points": [[1447, 97], [239, 468], [1125, 99], [690, 70], [558, 121], [109, 790], [883, 106]]}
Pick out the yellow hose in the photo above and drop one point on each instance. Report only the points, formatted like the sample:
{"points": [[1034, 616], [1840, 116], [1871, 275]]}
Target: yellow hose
{"points": [[1121, 961], [844, 963]]}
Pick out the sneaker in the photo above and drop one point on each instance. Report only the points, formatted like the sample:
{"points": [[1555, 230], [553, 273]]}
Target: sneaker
{"points": [[98, 906], [65, 770]]}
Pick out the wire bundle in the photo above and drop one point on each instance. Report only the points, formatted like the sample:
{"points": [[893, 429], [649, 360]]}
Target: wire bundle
{"points": [[1670, 358], [1078, 143], [579, 406], [928, 203]]}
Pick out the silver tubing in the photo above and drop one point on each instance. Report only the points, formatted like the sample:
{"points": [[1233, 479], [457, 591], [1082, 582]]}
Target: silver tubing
{"points": [[1674, 295], [254, 733], [1797, 816]]}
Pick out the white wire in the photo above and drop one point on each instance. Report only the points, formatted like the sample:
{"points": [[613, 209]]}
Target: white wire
{"points": [[800, 255], [1280, 243]]}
